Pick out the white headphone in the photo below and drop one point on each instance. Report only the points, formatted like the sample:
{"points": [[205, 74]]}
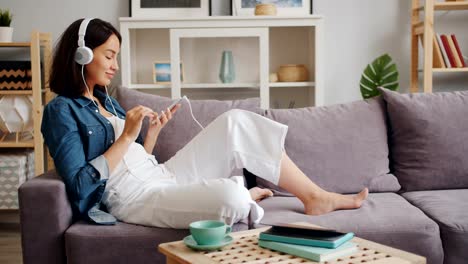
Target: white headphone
{"points": [[83, 54]]}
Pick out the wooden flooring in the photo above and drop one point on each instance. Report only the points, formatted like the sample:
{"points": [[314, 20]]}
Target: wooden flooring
{"points": [[10, 238]]}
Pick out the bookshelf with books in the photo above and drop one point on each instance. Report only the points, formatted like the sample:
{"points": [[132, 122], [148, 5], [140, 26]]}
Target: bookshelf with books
{"points": [[441, 52]]}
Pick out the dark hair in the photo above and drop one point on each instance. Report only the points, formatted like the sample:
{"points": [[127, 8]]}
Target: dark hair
{"points": [[65, 76]]}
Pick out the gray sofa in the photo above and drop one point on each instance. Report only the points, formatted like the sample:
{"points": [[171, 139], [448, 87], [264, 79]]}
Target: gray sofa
{"points": [[410, 150]]}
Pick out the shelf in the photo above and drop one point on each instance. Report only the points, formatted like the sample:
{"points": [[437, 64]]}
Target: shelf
{"points": [[451, 6], [14, 144], [222, 85], [18, 92], [450, 69], [292, 84], [15, 44]]}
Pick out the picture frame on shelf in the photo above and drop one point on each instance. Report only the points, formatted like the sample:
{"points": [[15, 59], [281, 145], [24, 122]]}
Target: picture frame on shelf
{"points": [[284, 7], [169, 8], [162, 72]]}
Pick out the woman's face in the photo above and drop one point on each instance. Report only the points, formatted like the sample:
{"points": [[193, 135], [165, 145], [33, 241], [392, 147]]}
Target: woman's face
{"points": [[104, 65]]}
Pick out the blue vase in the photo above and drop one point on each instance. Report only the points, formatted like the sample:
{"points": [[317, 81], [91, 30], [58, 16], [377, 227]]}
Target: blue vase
{"points": [[227, 73]]}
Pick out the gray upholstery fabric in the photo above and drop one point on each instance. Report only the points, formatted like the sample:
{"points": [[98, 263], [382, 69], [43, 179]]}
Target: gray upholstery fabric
{"points": [[429, 139], [122, 243], [342, 148], [449, 208], [182, 127], [45, 214], [386, 218]]}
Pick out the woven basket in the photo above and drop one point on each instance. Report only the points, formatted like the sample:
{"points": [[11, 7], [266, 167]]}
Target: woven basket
{"points": [[293, 73], [265, 10]]}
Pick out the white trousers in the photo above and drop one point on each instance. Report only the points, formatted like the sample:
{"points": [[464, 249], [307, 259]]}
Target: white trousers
{"points": [[197, 183]]}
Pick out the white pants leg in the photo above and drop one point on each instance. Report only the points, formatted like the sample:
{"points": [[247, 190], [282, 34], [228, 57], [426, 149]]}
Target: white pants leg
{"points": [[236, 139]]}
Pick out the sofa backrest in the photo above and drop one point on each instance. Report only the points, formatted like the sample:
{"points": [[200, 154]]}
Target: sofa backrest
{"points": [[182, 127], [342, 148], [428, 136]]}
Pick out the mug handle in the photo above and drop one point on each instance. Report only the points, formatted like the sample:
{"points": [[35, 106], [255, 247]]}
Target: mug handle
{"points": [[228, 229]]}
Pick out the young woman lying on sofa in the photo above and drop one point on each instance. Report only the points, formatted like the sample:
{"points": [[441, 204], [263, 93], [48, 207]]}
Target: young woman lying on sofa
{"points": [[98, 152]]}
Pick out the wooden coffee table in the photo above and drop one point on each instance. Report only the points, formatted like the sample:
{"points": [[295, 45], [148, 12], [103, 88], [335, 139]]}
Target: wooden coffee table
{"points": [[245, 249]]}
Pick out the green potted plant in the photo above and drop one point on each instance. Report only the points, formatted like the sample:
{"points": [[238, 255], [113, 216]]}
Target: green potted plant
{"points": [[382, 72], [6, 32]]}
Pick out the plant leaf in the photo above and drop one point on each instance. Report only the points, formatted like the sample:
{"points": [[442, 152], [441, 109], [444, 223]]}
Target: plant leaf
{"points": [[381, 72]]}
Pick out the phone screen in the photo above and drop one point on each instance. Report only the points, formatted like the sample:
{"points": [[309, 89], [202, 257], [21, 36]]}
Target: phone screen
{"points": [[306, 233]]}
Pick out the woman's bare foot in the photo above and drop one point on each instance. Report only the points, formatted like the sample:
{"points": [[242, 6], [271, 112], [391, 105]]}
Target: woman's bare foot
{"points": [[327, 202], [259, 194]]}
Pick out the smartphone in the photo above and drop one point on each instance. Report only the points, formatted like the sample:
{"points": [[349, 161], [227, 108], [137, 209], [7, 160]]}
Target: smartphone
{"points": [[306, 233], [173, 105]]}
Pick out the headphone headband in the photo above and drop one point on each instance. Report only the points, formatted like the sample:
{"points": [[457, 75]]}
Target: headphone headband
{"points": [[82, 31]]}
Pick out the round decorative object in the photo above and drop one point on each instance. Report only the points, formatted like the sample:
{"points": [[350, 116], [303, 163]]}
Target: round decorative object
{"points": [[293, 73], [265, 10], [16, 113]]}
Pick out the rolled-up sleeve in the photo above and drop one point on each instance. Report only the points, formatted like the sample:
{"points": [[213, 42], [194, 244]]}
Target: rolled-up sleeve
{"points": [[100, 164], [61, 135]]}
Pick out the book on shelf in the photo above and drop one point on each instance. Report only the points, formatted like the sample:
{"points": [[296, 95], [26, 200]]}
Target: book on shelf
{"points": [[456, 58], [448, 50], [437, 58], [457, 47], [306, 236], [442, 51], [318, 254]]}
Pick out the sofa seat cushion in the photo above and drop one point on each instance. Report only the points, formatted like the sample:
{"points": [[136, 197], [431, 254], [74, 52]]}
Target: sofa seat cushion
{"points": [[342, 148], [386, 218], [429, 143], [449, 208], [182, 128], [86, 243]]}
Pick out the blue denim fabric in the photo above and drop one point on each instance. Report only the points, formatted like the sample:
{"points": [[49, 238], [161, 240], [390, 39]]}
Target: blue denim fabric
{"points": [[77, 135]]}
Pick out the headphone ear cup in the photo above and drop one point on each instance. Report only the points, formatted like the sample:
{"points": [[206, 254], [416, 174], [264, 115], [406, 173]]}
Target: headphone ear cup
{"points": [[83, 55]]}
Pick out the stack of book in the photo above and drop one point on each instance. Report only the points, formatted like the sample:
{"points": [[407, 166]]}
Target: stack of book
{"points": [[447, 52], [314, 244]]}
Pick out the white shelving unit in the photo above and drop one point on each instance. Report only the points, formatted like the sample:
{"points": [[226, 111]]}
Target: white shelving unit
{"points": [[259, 46]]}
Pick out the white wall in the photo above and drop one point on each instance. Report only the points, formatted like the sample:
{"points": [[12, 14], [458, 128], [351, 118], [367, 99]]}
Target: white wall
{"points": [[357, 32]]}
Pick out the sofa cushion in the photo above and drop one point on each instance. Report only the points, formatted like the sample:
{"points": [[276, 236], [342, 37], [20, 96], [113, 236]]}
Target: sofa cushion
{"points": [[449, 208], [429, 139], [342, 148], [182, 127], [385, 218], [127, 243]]}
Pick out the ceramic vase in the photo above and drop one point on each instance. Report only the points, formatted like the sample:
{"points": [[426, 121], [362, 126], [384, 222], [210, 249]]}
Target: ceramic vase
{"points": [[227, 72]]}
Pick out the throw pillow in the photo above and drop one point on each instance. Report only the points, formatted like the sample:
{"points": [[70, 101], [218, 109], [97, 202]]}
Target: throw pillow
{"points": [[342, 148], [428, 139]]}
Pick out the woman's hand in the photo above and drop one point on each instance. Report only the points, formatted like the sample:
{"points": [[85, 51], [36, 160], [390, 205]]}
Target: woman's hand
{"points": [[156, 124], [134, 120]]}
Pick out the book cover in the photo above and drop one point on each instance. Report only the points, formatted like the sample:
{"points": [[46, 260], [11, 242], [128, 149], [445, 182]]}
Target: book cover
{"points": [[306, 237], [442, 50], [313, 253], [450, 56], [457, 47], [454, 52], [437, 60]]}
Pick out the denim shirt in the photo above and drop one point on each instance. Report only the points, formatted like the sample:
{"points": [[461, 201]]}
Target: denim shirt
{"points": [[77, 135]]}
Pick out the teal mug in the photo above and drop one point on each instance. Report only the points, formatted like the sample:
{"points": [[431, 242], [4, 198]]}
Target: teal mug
{"points": [[209, 232]]}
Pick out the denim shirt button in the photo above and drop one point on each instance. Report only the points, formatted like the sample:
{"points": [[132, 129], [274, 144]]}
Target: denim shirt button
{"points": [[112, 141], [94, 174], [90, 132]]}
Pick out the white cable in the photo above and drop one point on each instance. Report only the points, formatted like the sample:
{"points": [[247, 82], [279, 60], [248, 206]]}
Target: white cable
{"points": [[107, 95], [191, 113], [87, 88]]}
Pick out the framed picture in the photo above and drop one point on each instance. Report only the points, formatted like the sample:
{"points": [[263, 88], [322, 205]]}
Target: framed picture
{"points": [[283, 7], [169, 8], [162, 72]]}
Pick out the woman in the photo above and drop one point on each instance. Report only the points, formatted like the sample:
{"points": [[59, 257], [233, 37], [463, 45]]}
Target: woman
{"points": [[98, 152]]}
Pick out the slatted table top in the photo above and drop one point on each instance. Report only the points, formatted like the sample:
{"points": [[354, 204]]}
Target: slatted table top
{"points": [[245, 249]]}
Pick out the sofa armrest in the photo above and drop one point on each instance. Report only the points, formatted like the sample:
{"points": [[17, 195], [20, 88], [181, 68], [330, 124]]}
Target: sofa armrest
{"points": [[45, 214]]}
